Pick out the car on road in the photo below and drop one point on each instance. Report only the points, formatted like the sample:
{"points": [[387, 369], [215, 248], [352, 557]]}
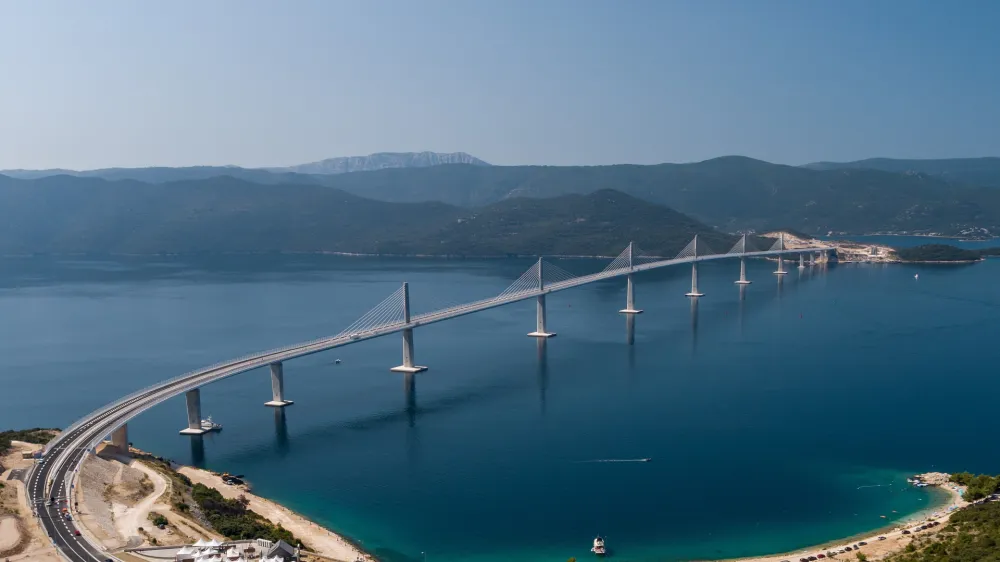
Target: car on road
{"points": [[77, 533]]}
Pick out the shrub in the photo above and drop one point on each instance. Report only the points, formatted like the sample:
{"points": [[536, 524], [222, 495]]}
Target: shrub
{"points": [[232, 519]]}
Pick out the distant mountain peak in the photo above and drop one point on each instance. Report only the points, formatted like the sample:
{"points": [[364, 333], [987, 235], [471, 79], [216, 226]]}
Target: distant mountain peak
{"points": [[381, 161]]}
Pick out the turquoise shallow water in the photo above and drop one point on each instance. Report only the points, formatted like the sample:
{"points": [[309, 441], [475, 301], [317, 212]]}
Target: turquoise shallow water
{"points": [[784, 419]]}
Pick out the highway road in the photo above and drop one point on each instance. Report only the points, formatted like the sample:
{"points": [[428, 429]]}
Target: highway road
{"points": [[53, 476], [62, 532]]}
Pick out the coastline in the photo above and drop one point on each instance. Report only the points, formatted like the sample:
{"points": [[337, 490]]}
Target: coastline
{"points": [[336, 546], [895, 541], [936, 236], [317, 538]]}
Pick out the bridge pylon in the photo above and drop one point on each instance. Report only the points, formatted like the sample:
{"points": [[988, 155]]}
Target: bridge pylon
{"points": [[694, 282], [694, 271], [278, 387], [408, 365], [741, 249], [193, 398], [540, 331], [629, 288], [780, 245], [802, 261]]}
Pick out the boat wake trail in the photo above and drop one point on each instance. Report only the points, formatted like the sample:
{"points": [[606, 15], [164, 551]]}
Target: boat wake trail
{"points": [[874, 486], [615, 460]]}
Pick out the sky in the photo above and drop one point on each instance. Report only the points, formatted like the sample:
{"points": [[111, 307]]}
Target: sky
{"points": [[563, 82]]}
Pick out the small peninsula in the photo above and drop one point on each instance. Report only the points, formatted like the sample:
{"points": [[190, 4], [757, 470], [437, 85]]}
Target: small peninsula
{"points": [[938, 253]]}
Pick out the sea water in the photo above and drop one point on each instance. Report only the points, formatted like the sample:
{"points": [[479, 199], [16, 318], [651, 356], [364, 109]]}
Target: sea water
{"points": [[786, 416]]}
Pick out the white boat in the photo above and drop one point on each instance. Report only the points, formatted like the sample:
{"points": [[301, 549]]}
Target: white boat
{"points": [[916, 276], [208, 425], [598, 547]]}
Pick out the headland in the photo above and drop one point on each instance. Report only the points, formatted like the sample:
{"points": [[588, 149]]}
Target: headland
{"points": [[882, 542]]}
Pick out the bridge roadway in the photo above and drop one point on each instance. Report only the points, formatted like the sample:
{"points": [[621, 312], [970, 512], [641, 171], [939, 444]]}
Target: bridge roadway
{"points": [[53, 477]]}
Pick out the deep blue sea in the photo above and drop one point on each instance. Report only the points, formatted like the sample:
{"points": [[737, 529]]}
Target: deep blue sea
{"points": [[774, 421]]}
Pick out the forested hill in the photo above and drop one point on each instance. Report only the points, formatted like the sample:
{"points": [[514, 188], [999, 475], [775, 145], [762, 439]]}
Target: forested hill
{"points": [[731, 193], [970, 171], [70, 215]]}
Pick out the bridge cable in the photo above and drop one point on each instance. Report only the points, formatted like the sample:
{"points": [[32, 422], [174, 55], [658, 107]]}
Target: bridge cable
{"points": [[779, 244], [694, 249], [555, 274], [621, 262], [385, 313], [640, 256], [742, 246], [528, 281]]}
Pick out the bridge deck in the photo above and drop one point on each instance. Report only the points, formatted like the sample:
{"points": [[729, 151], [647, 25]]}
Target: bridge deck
{"points": [[90, 430]]}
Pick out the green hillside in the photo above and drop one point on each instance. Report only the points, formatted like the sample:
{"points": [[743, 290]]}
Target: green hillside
{"points": [[71, 215], [972, 171], [731, 193]]}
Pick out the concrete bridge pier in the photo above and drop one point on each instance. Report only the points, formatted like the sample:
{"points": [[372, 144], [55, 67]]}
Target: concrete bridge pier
{"points": [[743, 273], [781, 266], [408, 366], [193, 398], [802, 261], [119, 438], [694, 282], [812, 258], [278, 387], [629, 297], [540, 331]]}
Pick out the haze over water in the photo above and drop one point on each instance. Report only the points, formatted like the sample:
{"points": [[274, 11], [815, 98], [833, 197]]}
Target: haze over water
{"points": [[782, 420]]}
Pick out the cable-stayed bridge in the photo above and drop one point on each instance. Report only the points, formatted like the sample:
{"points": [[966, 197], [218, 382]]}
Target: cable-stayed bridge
{"points": [[55, 474]]}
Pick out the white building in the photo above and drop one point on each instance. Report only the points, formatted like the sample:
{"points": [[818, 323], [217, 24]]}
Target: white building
{"points": [[243, 551]]}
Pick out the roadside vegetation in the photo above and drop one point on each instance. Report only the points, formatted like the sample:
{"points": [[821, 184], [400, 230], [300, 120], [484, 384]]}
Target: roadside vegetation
{"points": [[37, 435], [972, 535], [231, 518], [977, 487]]}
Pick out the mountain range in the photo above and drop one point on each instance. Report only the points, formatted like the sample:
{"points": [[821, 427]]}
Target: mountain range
{"points": [[70, 215], [381, 161], [287, 174], [730, 194], [972, 171]]}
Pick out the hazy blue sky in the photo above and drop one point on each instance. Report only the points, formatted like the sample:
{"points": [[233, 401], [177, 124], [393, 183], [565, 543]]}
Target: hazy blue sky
{"points": [[137, 83]]}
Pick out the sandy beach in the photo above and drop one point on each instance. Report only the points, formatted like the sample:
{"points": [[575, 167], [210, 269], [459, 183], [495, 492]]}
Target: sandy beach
{"points": [[316, 538], [895, 540]]}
